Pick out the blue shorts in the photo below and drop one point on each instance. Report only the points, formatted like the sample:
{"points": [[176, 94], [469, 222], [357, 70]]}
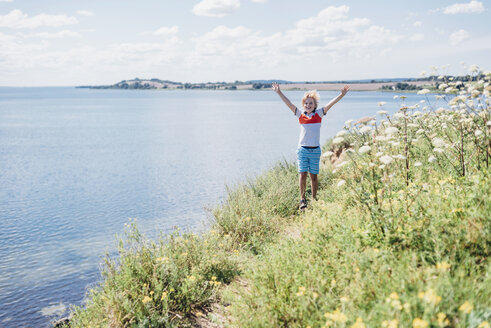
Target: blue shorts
{"points": [[308, 159]]}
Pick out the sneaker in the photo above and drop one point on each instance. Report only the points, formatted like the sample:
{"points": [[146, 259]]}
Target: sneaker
{"points": [[303, 204]]}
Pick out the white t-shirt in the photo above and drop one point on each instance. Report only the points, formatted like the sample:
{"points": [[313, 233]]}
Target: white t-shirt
{"points": [[310, 127]]}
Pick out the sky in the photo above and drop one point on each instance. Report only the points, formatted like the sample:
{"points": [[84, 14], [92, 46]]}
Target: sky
{"points": [[94, 42]]}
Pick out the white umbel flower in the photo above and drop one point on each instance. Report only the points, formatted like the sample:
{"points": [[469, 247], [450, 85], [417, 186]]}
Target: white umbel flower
{"points": [[327, 154], [338, 140], [432, 159], [364, 149], [341, 133], [341, 183], [365, 129], [386, 159], [417, 164], [391, 130], [438, 143], [423, 91]]}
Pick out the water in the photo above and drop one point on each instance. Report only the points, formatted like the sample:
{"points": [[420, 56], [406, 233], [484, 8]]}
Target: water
{"points": [[76, 164]]}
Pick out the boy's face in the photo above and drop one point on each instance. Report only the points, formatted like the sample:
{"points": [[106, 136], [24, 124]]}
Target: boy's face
{"points": [[309, 105]]}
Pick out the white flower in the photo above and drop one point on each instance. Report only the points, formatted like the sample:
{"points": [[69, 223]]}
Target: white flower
{"points": [[341, 164], [379, 154], [417, 113], [391, 130], [365, 129], [474, 68], [420, 131], [418, 164], [443, 86], [341, 133], [440, 110], [438, 150], [413, 125], [478, 133], [341, 183], [439, 143], [382, 112], [364, 149], [382, 166], [381, 103], [327, 154], [398, 115], [338, 140], [423, 91], [449, 89], [488, 123], [348, 122], [399, 156], [386, 159], [395, 143], [432, 159]]}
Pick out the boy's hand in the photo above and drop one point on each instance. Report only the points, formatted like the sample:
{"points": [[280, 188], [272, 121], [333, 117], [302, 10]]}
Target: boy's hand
{"points": [[276, 87], [345, 90]]}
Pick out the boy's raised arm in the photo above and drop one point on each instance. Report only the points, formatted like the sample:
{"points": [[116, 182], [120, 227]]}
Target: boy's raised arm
{"points": [[276, 88], [344, 90]]}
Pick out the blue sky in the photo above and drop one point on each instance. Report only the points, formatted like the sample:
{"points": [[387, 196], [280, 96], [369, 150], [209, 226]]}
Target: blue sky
{"points": [[104, 41]]}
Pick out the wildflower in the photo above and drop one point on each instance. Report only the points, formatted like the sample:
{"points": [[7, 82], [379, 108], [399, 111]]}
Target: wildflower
{"points": [[382, 112], [484, 324], [342, 164], [146, 299], [341, 133], [420, 323], [327, 154], [380, 138], [301, 291], [439, 143], [348, 122], [338, 140], [191, 278], [386, 159], [333, 282], [164, 295], [341, 183], [399, 156], [478, 133], [364, 149], [423, 91], [430, 297], [432, 159], [391, 130], [474, 68], [438, 150], [365, 129], [443, 86], [398, 115], [417, 164], [466, 307], [359, 323], [336, 316], [442, 319], [442, 266], [199, 313], [344, 299], [390, 323], [315, 295], [381, 103]]}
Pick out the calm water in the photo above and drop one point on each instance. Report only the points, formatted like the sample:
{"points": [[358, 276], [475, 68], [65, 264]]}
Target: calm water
{"points": [[77, 164]]}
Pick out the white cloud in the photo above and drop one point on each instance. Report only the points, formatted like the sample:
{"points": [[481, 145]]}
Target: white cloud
{"points": [[417, 37], [85, 13], [458, 37], [259, 1], [55, 35], [464, 8], [216, 8], [417, 24], [166, 31], [6, 0], [17, 19]]}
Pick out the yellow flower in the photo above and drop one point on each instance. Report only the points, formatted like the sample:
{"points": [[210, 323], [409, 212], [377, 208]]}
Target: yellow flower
{"points": [[336, 316], [344, 299], [301, 291], [442, 319], [466, 307], [430, 297], [333, 282], [394, 296], [444, 266], [146, 299], [484, 324], [213, 278], [390, 323], [419, 323], [191, 278], [359, 323], [164, 295], [315, 295], [199, 313]]}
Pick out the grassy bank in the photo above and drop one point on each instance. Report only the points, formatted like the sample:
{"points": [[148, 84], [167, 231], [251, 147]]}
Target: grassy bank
{"points": [[400, 236]]}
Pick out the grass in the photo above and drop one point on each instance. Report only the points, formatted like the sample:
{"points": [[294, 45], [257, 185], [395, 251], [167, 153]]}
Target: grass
{"points": [[399, 237]]}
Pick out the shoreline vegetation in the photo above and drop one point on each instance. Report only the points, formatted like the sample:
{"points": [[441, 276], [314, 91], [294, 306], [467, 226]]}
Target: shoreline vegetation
{"points": [[400, 84], [400, 236]]}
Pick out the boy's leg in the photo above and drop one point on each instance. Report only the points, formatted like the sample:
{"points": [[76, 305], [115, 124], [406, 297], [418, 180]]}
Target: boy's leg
{"points": [[302, 181], [314, 183]]}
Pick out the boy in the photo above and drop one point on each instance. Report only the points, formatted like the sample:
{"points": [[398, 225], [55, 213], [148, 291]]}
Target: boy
{"points": [[309, 151]]}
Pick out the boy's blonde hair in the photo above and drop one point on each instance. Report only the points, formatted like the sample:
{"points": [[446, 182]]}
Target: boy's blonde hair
{"points": [[311, 94]]}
